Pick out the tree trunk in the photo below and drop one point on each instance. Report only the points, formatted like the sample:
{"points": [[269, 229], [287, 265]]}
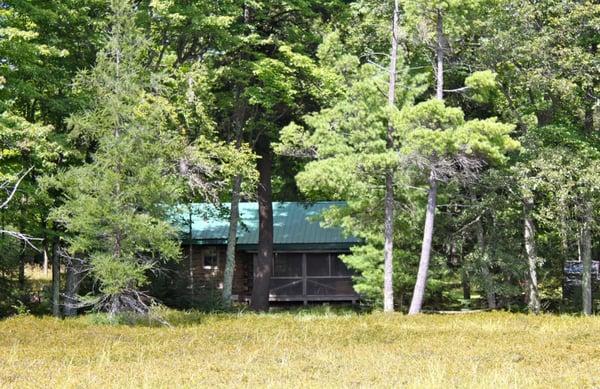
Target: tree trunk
{"points": [[72, 288], [530, 250], [45, 263], [590, 101], [191, 253], [231, 241], [419, 291], [586, 257], [439, 56], [55, 280], [485, 270], [388, 245], [22, 267], [264, 258], [466, 285], [239, 119]]}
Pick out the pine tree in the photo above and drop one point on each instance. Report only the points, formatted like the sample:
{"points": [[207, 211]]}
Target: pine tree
{"points": [[116, 207]]}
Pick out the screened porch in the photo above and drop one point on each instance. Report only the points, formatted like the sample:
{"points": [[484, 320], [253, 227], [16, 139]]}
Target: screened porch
{"points": [[310, 276]]}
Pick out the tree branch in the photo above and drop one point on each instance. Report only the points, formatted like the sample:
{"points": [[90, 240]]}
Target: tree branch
{"points": [[24, 237], [14, 190], [457, 90]]}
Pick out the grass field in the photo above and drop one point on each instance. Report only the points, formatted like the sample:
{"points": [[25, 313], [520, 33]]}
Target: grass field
{"points": [[304, 349]]}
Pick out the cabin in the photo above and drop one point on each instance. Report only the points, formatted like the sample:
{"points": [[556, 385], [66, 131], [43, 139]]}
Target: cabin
{"points": [[572, 279], [306, 262]]}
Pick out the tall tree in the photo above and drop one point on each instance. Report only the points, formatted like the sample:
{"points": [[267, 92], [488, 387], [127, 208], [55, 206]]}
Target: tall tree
{"points": [[545, 92], [388, 245], [260, 54], [352, 148], [446, 146], [116, 207]]}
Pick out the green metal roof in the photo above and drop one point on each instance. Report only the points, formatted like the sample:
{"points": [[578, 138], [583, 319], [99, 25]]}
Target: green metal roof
{"points": [[294, 224]]}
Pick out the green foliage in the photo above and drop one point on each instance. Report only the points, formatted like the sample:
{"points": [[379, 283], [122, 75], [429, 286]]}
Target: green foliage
{"points": [[154, 120], [115, 208], [435, 131], [483, 86], [43, 45], [346, 145]]}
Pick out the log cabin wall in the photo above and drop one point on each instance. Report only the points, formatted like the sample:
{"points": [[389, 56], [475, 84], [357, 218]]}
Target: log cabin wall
{"points": [[205, 270]]}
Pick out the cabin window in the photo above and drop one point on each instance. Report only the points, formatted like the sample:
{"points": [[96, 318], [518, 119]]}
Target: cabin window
{"points": [[210, 258]]}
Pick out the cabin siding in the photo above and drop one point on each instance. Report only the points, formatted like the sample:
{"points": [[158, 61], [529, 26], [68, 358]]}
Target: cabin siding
{"points": [[202, 277], [321, 283]]}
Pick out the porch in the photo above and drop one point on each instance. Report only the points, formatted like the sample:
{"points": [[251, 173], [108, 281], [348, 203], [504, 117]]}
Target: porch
{"points": [[310, 276]]}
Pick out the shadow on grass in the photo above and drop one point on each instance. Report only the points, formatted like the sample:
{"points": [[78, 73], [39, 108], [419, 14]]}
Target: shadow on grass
{"points": [[167, 317]]}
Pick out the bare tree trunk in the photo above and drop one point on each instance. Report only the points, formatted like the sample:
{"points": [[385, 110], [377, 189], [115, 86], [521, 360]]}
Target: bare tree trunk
{"points": [[466, 285], [586, 257], [388, 245], [45, 263], [239, 119], [439, 56], [588, 117], [264, 258], [530, 250], [231, 241], [465, 281], [419, 291], [22, 267], [55, 280], [191, 252], [485, 270], [72, 288]]}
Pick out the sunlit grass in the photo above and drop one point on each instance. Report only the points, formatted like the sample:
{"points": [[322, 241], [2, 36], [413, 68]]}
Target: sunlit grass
{"points": [[37, 273], [304, 349]]}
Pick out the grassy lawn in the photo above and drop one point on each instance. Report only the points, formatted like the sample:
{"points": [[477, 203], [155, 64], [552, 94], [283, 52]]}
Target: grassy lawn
{"points": [[304, 349]]}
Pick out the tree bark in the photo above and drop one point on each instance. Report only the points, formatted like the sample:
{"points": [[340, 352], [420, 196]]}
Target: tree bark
{"points": [[589, 102], [530, 250], [55, 280], [388, 245], [231, 241], [439, 55], [586, 257], [419, 291], [22, 267], [72, 288], [485, 270], [191, 253], [466, 285], [264, 258], [239, 119], [45, 263]]}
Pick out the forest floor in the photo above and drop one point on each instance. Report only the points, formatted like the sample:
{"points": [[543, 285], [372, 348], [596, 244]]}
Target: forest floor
{"points": [[305, 348]]}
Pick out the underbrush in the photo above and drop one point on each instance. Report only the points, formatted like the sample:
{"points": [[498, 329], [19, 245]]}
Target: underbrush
{"points": [[306, 347]]}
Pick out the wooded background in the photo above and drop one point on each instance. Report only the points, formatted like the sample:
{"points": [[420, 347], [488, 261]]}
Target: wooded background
{"points": [[462, 134]]}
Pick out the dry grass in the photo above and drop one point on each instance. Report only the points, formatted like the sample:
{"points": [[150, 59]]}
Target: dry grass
{"points": [[309, 350], [36, 273]]}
